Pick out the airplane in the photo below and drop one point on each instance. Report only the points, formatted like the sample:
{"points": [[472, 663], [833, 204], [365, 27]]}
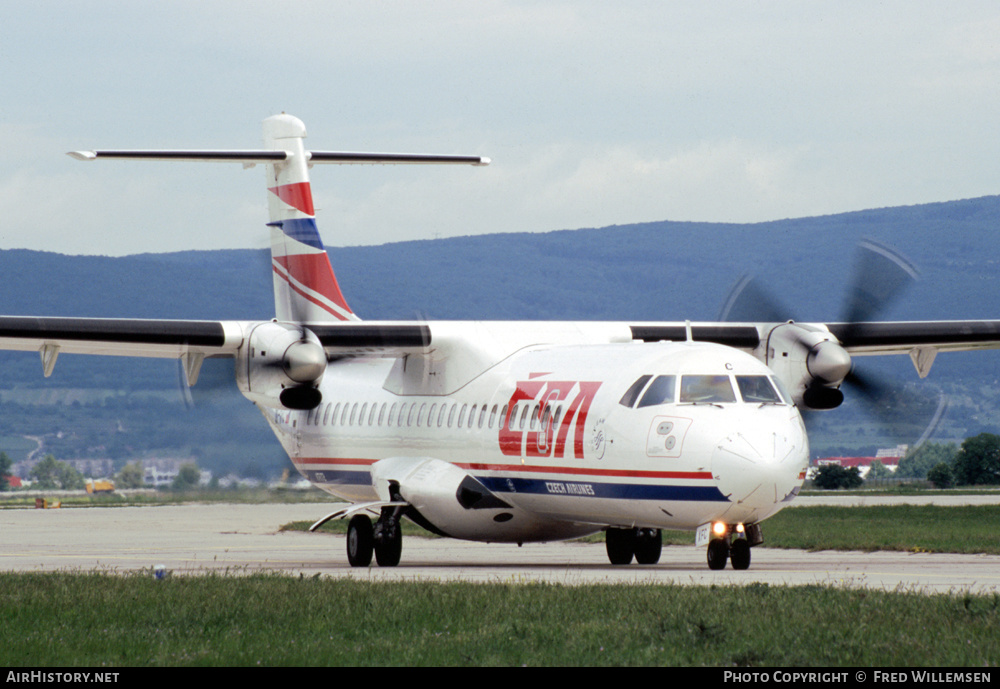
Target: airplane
{"points": [[515, 431]]}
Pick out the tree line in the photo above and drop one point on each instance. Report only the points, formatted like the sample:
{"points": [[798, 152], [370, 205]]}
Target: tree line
{"points": [[975, 463], [52, 474]]}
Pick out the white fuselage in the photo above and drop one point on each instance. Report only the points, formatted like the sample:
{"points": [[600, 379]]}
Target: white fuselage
{"points": [[546, 430]]}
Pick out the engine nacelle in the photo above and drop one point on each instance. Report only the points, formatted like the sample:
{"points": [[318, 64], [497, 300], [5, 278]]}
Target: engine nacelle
{"points": [[810, 362], [281, 366]]}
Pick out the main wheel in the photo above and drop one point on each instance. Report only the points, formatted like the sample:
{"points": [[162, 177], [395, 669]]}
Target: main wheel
{"points": [[648, 546], [360, 541], [739, 554], [388, 543], [621, 545], [718, 553]]}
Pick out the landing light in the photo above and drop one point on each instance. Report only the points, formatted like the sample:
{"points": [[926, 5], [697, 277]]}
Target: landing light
{"points": [[739, 528], [719, 529]]}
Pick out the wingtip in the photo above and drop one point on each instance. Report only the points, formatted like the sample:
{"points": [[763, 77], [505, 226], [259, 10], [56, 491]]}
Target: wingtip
{"points": [[82, 155]]}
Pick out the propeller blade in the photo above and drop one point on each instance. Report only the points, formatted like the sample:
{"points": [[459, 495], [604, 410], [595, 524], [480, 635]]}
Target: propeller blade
{"points": [[217, 379], [880, 276], [748, 302], [880, 396]]}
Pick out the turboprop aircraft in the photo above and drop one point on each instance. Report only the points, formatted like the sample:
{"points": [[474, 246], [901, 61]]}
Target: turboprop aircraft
{"points": [[515, 431]]}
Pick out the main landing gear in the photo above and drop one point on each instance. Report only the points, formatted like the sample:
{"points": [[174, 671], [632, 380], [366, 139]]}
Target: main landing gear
{"points": [[384, 539], [732, 543], [645, 545]]}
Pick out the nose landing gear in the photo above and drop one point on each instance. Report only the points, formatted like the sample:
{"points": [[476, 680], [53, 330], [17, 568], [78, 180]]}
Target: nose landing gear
{"points": [[732, 542]]}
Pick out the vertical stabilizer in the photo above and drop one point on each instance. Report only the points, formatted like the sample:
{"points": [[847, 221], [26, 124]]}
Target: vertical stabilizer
{"points": [[305, 288]]}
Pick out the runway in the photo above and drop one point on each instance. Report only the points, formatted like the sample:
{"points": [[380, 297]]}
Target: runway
{"points": [[196, 539]]}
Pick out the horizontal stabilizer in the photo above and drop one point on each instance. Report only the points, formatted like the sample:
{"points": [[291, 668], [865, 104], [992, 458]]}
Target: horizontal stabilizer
{"points": [[245, 157], [252, 157]]}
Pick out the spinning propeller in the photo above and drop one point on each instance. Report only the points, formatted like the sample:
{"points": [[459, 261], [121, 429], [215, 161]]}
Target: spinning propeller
{"points": [[813, 356]]}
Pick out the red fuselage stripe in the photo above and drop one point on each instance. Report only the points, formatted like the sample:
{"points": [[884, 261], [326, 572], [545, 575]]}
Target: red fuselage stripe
{"points": [[515, 468]]}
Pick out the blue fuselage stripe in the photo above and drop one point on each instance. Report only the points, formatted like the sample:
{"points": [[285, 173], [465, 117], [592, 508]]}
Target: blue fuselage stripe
{"points": [[555, 487], [617, 491]]}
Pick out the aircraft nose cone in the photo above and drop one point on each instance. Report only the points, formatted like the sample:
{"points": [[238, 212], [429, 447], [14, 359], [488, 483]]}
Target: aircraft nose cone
{"points": [[758, 464]]}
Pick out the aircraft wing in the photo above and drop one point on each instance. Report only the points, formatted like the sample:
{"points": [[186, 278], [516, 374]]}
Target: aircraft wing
{"points": [[383, 339], [903, 336], [121, 336], [921, 340], [189, 341], [899, 337]]}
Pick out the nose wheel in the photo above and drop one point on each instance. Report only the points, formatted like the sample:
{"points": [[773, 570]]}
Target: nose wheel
{"points": [[718, 553], [739, 554], [733, 544]]}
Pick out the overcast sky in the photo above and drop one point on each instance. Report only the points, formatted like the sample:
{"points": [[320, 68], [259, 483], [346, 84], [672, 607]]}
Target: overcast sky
{"points": [[594, 113]]}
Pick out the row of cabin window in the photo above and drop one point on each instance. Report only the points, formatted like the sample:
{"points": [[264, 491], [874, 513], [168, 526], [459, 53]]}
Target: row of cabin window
{"points": [[415, 416]]}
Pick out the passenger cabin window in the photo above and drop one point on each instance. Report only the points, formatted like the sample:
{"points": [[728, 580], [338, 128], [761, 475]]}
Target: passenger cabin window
{"points": [[706, 390], [660, 391], [757, 389]]}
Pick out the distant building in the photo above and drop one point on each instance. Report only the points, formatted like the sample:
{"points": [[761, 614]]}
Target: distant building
{"points": [[896, 453], [888, 457], [158, 478], [87, 467], [93, 467]]}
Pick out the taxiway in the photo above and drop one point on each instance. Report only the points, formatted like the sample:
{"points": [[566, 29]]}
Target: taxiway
{"points": [[195, 539]]}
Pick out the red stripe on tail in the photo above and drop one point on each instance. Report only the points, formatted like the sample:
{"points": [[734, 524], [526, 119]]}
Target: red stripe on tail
{"points": [[298, 196], [314, 272]]}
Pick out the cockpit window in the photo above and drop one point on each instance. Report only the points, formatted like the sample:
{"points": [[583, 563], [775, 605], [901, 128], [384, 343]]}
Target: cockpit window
{"points": [[632, 394], [660, 391], [782, 390], [706, 389], [757, 389]]}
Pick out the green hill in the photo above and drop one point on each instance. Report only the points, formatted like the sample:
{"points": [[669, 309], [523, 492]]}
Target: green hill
{"points": [[651, 271]]}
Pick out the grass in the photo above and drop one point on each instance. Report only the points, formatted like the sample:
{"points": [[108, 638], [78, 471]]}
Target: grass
{"points": [[103, 620], [918, 528], [131, 620]]}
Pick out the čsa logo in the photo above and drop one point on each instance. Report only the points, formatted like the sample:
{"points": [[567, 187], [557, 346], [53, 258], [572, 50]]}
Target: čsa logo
{"points": [[541, 415]]}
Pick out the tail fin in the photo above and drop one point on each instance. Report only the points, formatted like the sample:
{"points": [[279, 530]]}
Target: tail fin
{"points": [[305, 287]]}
